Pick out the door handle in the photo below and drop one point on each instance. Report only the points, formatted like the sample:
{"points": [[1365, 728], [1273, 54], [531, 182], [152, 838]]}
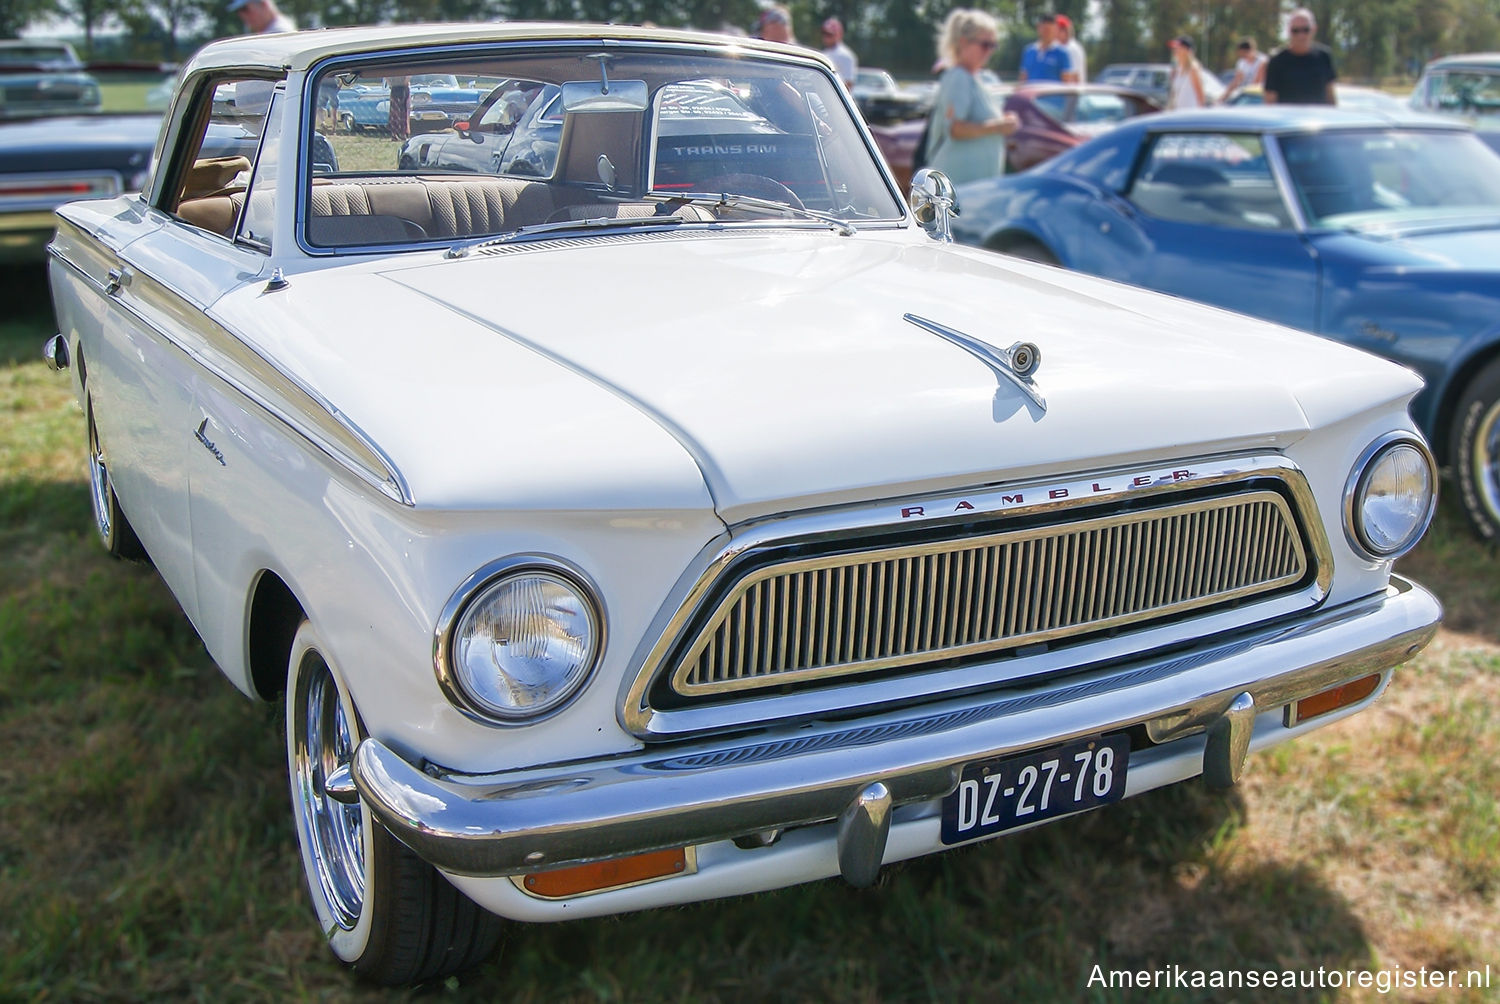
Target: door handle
{"points": [[114, 282]]}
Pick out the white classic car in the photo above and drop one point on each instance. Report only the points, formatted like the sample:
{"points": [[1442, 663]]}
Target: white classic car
{"points": [[695, 520]]}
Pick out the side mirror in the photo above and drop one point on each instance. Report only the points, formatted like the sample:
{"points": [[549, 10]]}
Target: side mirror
{"points": [[934, 203]]}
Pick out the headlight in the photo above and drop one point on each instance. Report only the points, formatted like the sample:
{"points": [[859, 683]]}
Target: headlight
{"points": [[1390, 497], [518, 639]]}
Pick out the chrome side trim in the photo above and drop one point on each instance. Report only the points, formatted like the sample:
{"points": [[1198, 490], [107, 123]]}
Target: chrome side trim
{"points": [[255, 377], [518, 821], [1033, 499]]}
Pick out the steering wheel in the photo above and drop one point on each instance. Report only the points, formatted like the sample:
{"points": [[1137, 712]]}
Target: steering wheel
{"points": [[756, 186]]}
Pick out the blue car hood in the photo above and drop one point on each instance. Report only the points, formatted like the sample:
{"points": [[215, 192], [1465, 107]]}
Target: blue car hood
{"points": [[1472, 244]]}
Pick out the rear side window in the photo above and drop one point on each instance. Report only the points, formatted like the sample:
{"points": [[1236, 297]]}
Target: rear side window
{"points": [[1214, 179]]}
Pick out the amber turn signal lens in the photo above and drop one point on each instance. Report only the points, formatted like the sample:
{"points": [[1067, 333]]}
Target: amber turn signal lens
{"points": [[1341, 696], [612, 874]]}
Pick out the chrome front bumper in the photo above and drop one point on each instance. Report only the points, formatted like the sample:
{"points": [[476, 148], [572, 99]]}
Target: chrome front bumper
{"points": [[855, 772]]}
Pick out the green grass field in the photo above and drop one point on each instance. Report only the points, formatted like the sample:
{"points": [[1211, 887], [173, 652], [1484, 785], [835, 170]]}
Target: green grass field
{"points": [[146, 852]]}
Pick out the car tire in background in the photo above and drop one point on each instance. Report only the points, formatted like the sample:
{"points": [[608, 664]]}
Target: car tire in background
{"points": [[1474, 451], [387, 914], [114, 530]]}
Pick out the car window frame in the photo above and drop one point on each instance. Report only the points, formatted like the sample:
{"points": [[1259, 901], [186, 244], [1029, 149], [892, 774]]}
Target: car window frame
{"points": [[1276, 166], [190, 122]]}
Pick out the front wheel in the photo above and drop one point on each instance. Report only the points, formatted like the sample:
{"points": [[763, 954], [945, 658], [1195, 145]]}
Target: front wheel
{"points": [[114, 530], [386, 913], [1474, 450]]}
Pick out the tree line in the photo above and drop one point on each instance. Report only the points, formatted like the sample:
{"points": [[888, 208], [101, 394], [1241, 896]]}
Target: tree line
{"points": [[1371, 39]]}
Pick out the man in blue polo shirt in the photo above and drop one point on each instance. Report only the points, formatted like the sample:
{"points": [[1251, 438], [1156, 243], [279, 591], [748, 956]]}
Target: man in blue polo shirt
{"points": [[1047, 58]]}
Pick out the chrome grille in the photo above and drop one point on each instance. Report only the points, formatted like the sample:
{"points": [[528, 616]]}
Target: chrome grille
{"points": [[902, 605]]}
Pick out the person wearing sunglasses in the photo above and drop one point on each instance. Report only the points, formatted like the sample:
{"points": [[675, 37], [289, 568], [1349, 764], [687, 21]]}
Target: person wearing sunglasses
{"points": [[1301, 72], [966, 130], [1047, 58]]}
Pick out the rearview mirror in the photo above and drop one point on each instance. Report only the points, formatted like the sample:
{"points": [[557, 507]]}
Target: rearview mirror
{"points": [[579, 96]]}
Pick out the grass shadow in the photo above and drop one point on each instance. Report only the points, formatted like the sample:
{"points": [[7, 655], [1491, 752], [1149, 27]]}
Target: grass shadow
{"points": [[28, 300]]}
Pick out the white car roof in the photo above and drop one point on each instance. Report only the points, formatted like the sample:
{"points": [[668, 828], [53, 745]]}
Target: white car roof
{"points": [[298, 50]]}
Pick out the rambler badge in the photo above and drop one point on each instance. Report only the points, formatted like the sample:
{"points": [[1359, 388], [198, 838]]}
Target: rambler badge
{"points": [[1015, 364]]}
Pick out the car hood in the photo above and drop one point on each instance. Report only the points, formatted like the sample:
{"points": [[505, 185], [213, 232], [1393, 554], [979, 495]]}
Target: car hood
{"points": [[784, 368], [77, 141], [1469, 243]]}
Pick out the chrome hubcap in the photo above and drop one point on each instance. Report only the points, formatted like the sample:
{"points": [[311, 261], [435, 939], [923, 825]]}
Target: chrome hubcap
{"points": [[1487, 460], [99, 489], [333, 832]]}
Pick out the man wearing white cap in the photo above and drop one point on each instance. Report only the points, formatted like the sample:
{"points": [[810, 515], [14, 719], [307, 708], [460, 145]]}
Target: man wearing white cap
{"points": [[838, 53], [261, 17]]}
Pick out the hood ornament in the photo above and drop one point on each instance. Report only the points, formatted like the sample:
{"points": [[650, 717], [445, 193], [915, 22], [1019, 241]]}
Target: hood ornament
{"points": [[1015, 364]]}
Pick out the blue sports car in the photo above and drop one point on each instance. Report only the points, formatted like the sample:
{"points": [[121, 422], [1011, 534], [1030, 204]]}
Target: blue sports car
{"points": [[1378, 230]]}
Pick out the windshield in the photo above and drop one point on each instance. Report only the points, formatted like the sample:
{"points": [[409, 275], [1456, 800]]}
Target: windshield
{"points": [[1371, 178], [522, 138], [1473, 93]]}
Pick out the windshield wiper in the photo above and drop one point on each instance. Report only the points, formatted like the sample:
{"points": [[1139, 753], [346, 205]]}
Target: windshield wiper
{"points": [[561, 226], [730, 200]]}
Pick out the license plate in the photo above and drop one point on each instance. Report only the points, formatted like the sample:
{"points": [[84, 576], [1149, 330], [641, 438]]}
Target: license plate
{"points": [[429, 116], [997, 795]]}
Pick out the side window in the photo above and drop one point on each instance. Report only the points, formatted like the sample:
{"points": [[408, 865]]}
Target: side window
{"points": [[260, 197], [219, 146], [1214, 179], [1107, 161]]}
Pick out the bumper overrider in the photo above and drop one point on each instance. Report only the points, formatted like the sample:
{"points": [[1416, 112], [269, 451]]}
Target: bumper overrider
{"points": [[1206, 702]]}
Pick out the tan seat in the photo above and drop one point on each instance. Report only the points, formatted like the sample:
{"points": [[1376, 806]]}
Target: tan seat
{"points": [[394, 210], [212, 176], [213, 212]]}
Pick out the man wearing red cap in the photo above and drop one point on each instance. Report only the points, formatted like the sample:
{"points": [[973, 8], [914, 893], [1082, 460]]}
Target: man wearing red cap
{"points": [[1069, 41], [838, 53]]}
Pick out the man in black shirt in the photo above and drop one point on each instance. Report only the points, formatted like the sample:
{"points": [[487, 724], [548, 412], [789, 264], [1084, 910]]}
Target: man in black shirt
{"points": [[1302, 72]]}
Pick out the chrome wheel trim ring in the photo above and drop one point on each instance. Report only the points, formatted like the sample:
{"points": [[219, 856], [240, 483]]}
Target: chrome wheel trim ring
{"points": [[1485, 463], [333, 833], [99, 486]]}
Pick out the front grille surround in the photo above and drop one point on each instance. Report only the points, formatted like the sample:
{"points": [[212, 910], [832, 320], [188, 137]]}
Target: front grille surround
{"points": [[653, 710], [990, 592]]}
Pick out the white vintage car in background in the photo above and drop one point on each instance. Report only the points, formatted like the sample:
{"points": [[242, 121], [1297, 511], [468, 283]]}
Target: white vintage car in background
{"points": [[693, 520]]}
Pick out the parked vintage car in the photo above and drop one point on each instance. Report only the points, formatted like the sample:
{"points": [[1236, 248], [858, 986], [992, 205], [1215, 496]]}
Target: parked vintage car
{"points": [[46, 162], [1464, 87], [882, 101], [43, 78], [1376, 230], [690, 110], [1151, 79], [1350, 96], [60, 149], [1057, 117], [437, 101], [614, 546]]}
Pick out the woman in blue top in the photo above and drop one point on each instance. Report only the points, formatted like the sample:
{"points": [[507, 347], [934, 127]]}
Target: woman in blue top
{"points": [[966, 135]]}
